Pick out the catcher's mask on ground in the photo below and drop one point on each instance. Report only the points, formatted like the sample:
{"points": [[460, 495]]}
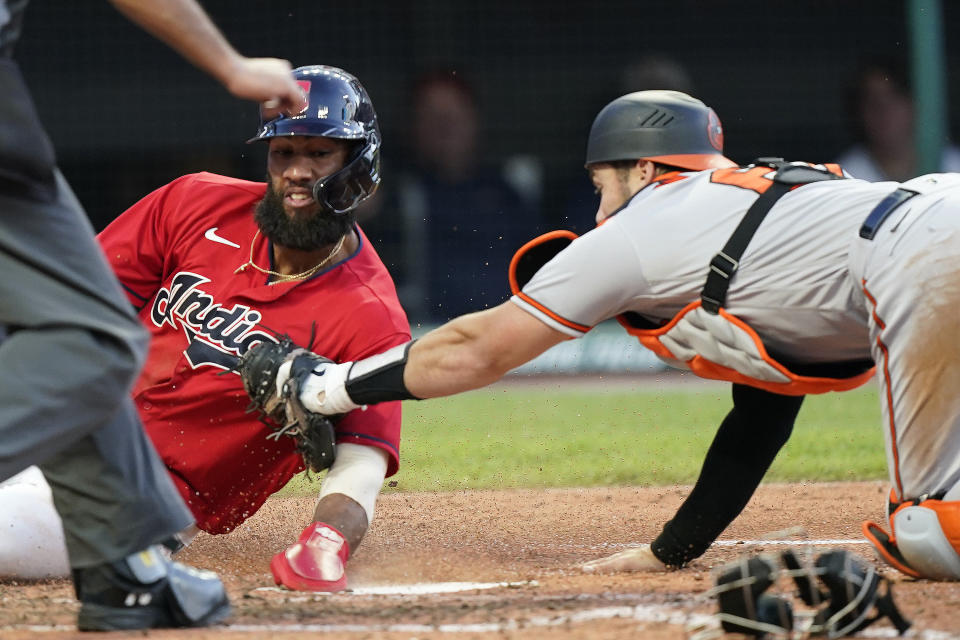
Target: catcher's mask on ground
{"points": [[667, 127], [337, 107], [852, 592]]}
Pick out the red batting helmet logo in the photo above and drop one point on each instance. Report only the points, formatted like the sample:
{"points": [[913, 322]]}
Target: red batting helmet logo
{"points": [[715, 131], [305, 87]]}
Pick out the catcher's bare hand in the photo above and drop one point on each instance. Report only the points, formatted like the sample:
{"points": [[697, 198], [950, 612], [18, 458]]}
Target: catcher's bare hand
{"points": [[269, 81], [638, 559]]}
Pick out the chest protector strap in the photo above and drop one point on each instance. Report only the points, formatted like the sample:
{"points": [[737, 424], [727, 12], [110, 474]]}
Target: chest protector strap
{"points": [[726, 263]]}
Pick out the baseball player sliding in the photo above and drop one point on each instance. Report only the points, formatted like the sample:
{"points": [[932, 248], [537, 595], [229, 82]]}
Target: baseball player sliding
{"points": [[782, 278], [214, 265]]}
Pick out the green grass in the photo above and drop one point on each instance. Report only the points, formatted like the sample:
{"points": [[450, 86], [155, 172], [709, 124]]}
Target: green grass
{"points": [[532, 438]]}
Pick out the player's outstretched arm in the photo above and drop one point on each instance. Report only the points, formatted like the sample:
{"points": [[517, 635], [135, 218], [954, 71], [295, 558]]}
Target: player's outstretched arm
{"points": [[466, 353], [186, 28], [475, 350]]}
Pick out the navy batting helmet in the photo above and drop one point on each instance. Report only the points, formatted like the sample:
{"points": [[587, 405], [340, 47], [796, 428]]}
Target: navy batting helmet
{"points": [[337, 107], [669, 127]]}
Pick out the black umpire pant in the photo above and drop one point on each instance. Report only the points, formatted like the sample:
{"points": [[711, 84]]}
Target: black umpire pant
{"points": [[72, 351]]}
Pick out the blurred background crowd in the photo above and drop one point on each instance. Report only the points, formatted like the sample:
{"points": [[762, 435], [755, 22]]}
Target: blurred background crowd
{"points": [[485, 107]]}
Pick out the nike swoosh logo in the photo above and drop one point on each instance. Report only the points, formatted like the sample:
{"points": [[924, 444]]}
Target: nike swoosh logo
{"points": [[211, 234]]}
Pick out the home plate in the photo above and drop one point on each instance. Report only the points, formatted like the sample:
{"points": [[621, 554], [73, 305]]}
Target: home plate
{"points": [[423, 588]]}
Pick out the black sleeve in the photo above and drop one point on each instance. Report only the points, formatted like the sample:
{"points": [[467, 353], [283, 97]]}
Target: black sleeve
{"points": [[744, 448]]}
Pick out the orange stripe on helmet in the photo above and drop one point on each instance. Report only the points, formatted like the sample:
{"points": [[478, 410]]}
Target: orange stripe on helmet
{"points": [[695, 161]]}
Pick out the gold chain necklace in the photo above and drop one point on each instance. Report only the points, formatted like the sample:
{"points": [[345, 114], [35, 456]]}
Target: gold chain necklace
{"points": [[282, 277]]}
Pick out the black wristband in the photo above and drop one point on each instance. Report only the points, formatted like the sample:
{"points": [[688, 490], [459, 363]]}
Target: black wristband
{"points": [[379, 378]]}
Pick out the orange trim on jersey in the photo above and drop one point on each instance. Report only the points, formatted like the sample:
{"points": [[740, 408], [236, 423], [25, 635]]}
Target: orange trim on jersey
{"points": [[515, 285], [546, 237], [557, 318], [760, 178], [667, 178], [834, 168], [889, 391], [797, 386]]}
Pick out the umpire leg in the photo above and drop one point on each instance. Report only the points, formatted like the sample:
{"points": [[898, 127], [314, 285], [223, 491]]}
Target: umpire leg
{"points": [[72, 351]]}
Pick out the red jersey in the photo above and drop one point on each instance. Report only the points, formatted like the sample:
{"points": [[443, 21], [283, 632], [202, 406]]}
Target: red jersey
{"points": [[176, 253]]}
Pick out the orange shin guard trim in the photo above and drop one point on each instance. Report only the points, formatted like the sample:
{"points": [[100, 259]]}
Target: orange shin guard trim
{"points": [[886, 546], [948, 513]]}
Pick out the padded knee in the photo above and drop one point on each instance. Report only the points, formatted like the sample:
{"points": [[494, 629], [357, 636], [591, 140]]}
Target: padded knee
{"points": [[928, 537]]}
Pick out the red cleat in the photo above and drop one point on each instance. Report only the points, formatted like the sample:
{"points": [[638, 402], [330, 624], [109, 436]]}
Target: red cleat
{"points": [[315, 562]]}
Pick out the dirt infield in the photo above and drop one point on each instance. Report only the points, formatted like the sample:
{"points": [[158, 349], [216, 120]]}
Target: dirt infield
{"points": [[528, 540]]}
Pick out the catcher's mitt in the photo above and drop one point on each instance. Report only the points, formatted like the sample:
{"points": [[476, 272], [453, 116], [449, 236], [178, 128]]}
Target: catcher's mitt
{"points": [[313, 433]]}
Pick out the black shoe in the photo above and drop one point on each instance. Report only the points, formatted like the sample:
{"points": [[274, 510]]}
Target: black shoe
{"points": [[147, 591]]}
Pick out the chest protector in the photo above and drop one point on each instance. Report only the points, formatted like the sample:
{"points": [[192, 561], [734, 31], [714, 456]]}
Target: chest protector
{"points": [[703, 337]]}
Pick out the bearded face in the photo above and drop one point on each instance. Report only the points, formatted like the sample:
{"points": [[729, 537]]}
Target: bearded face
{"points": [[305, 230], [288, 215]]}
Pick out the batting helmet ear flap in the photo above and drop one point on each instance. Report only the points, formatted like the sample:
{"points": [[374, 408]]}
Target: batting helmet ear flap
{"points": [[344, 190]]}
